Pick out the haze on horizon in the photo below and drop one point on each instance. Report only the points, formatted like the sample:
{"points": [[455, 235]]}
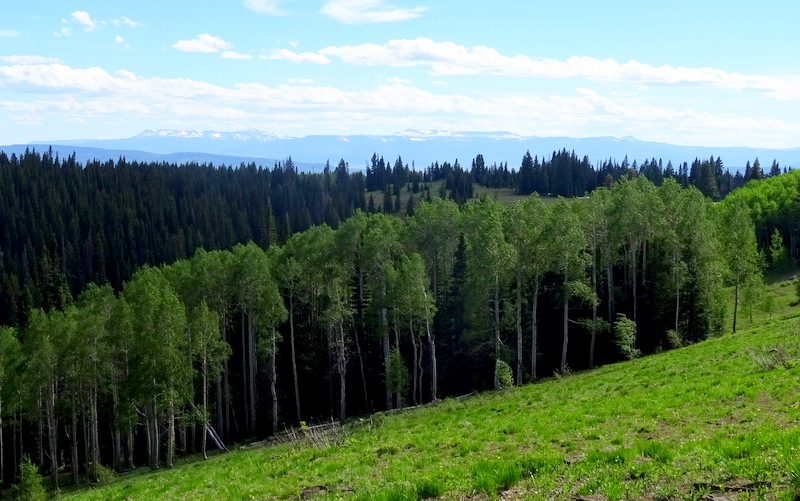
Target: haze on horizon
{"points": [[685, 72]]}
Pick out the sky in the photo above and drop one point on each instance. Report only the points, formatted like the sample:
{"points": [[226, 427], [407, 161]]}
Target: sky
{"points": [[699, 72]]}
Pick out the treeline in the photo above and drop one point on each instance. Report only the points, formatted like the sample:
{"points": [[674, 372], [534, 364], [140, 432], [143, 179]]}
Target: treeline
{"points": [[564, 174], [64, 225], [774, 207], [378, 313]]}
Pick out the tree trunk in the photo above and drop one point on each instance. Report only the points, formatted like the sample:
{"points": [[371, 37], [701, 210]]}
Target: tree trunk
{"points": [[385, 327], [677, 307], [94, 432], [129, 437], [2, 449], [416, 369], [635, 291], [367, 406], [245, 381], [594, 310], [116, 460], [677, 289], [342, 365], [74, 439], [432, 349], [294, 357], [610, 286], [204, 416], [566, 326], [273, 378], [735, 305], [40, 429], [420, 371], [170, 434], [519, 326], [496, 329], [52, 434], [534, 314], [253, 372]]}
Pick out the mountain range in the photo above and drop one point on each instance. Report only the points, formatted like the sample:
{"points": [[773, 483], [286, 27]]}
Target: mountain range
{"points": [[418, 147]]}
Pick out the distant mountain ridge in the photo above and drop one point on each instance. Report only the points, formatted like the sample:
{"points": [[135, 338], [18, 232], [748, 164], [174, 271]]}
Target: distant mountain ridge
{"points": [[420, 147]]}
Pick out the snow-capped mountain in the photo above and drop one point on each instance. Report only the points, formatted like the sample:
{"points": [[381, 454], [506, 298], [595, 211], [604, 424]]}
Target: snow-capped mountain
{"points": [[420, 147]]}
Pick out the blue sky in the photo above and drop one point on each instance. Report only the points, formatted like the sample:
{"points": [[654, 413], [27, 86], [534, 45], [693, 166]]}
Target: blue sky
{"points": [[696, 72]]}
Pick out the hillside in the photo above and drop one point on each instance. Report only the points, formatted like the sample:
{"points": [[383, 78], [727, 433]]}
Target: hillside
{"points": [[718, 417]]}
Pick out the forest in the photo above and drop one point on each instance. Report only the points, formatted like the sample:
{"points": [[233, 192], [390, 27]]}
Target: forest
{"points": [[152, 309]]}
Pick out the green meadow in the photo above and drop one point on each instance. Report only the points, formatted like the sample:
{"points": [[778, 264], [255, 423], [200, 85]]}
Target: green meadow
{"points": [[715, 420]]}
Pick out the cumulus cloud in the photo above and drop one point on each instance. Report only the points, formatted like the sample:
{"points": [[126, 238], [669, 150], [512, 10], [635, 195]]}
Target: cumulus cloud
{"points": [[263, 6], [448, 58], [202, 43], [368, 11], [230, 54], [97, 95], [397, 80], [295, 57], [28, 59], [124, 20], [63, 32], [83, 18], [119, 39], [8, 33]]}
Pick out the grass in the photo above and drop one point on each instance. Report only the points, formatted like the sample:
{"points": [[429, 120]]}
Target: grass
{"points": [[682, 424], [505, 196]]}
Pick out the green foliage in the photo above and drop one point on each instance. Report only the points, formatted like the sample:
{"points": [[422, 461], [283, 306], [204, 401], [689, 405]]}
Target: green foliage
{"points": [[429, 488], [673, 340], [625, 337], [504, 374], [492, 477], [797, 288], [651, 429], [104, 474], [777, 251], [30, 486], [397, 373]]}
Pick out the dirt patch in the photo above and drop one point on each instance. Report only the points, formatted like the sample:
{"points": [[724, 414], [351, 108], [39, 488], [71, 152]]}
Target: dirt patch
{"points": [[310, 492]]}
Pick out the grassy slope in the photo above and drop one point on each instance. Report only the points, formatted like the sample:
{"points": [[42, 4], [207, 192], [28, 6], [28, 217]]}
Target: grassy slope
{"points": [[671, 426], [505, 196]]}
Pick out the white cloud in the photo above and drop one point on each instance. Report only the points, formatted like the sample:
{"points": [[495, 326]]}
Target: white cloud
{"points": [[263, 6], [63, 32], [230, 54], [202, 43], [83, 18], [8, 34], [304, 57], [96, 95], [448, 58], [368, 11], [397, 80], [28, 59], [125, 20], [119, 39]]}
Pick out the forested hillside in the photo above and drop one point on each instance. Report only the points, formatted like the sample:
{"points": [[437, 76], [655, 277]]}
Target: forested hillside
{"points": [[64, 225], [331, 310]]}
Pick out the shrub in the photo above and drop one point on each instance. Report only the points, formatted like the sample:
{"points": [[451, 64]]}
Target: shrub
{"points": [[504, 374], [674, 340], [104, 474], [625, 337], [30, 486]]}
